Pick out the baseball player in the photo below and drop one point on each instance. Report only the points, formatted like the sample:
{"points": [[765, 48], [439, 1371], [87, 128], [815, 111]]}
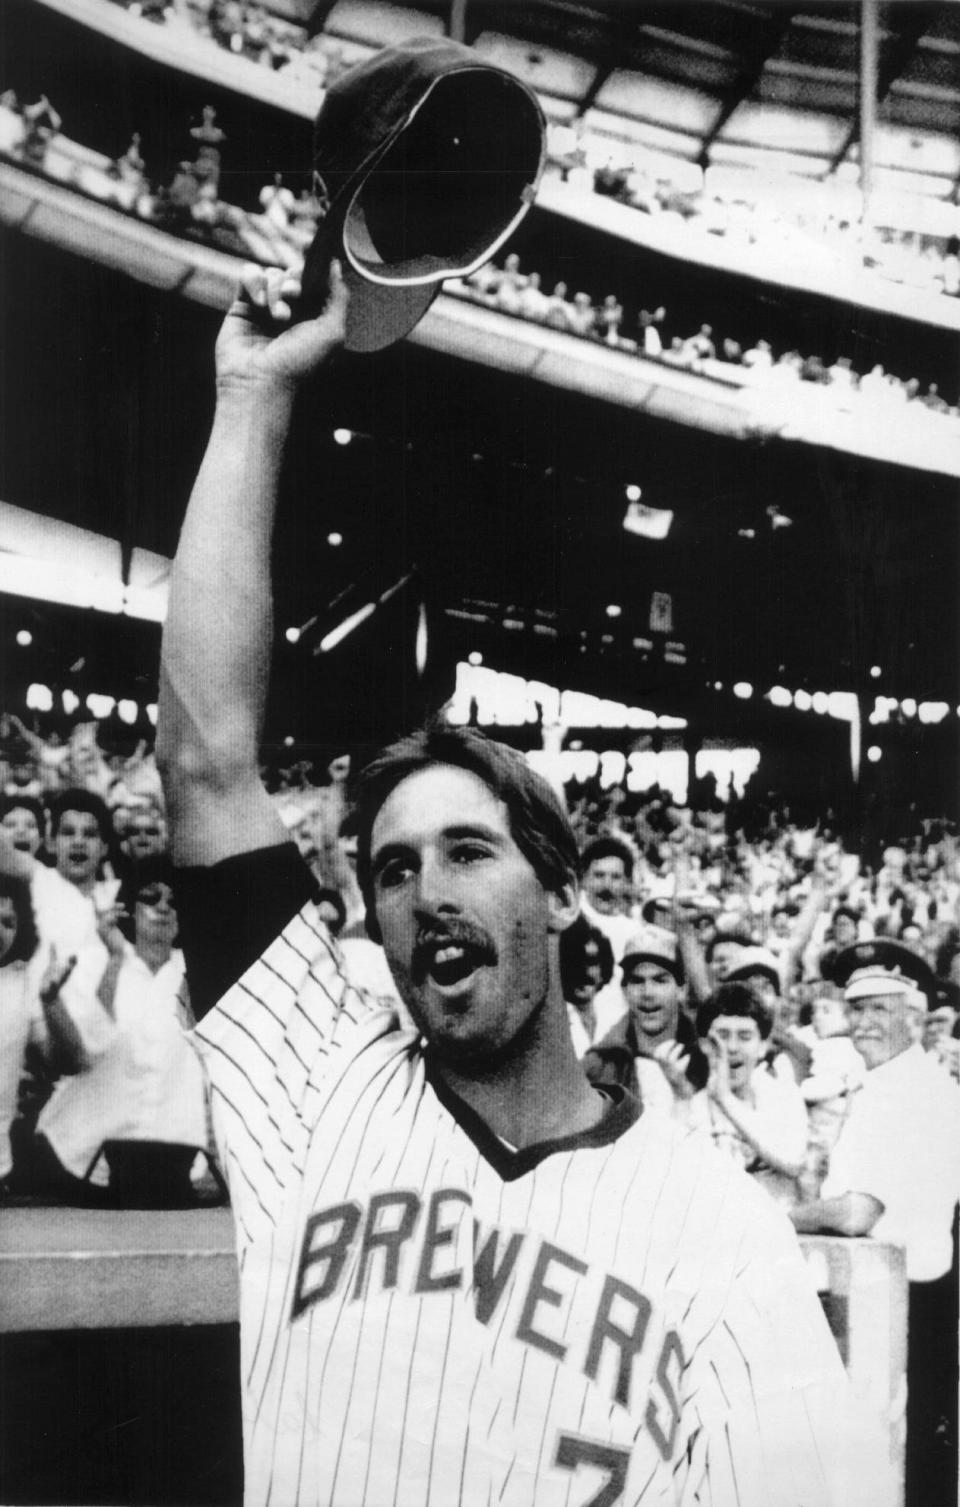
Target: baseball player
{"points": [[466, 1275]]}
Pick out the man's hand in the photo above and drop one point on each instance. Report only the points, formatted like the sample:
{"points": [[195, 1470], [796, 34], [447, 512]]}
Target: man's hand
{"points": [[718, 1084], [674, 1061], [259, 345], [55, 975], [108, 929]]}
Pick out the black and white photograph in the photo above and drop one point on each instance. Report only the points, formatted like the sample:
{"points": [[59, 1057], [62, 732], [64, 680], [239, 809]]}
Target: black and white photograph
{"points": [[479, 734]]}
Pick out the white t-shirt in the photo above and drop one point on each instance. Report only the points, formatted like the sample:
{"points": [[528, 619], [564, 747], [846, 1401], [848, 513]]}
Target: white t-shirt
{"points": [[901, 1144], [66, 919], [144, 1082], [782, 1123]]}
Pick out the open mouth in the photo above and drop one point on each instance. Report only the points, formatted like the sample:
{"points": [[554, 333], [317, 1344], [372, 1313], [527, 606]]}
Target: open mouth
{"points": [[448, 962], [452, 965]]}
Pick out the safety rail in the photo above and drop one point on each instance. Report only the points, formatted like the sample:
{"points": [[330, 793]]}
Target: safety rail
{"points": [[66, 1269], [34, 206]]}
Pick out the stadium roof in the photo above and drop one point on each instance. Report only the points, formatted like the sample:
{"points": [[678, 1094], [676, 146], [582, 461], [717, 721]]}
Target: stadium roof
{"points": [[719, 82]]}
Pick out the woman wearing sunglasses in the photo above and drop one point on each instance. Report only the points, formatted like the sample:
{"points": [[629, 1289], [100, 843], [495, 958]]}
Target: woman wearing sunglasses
{"points": [[130, 1118]]}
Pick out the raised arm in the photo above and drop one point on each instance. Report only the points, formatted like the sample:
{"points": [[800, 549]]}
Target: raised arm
{"points": [[217, 641]]}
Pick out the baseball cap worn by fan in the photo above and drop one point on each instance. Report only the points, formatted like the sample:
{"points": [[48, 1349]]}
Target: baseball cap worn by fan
{"points": [[656, 945], [753, 961], [430, 158]]}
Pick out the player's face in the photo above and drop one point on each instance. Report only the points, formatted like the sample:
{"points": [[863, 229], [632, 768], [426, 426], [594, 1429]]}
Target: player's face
{"points": [[78, 847], [8, 925], [740, 1037], [881, 1027], [605, 882], [466, 924], [653, 998], [21, 825]]}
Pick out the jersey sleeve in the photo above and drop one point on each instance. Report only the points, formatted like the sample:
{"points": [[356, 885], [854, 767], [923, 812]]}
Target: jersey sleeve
{"points": [[268, 1048], [230, 912], [771, 1416]]}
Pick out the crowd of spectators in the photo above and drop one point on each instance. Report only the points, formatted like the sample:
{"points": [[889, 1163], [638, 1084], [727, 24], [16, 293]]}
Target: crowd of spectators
{"points": [[755, 215], [510, 290], [750, 216], [715, 890], [279, 231], [792, 1000]]}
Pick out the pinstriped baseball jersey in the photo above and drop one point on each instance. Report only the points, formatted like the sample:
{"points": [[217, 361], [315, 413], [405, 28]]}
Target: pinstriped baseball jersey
{"points": [[430, 1317]]}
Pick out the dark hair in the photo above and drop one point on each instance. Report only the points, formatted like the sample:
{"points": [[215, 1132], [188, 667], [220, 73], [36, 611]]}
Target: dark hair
{"points": [[538, 823], [735, 998], [333, 897], [10, 803], [137, 874], [573, 953], [87, 803], [607, 847], [848, 911], [741, 938], [26, 942]]}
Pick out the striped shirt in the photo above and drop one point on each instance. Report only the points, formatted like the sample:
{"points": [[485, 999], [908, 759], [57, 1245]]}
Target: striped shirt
{"points": [[430, 1317]]}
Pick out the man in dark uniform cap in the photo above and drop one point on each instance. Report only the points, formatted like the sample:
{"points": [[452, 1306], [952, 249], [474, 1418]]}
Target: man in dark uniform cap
{"points": [[895, 1174]]}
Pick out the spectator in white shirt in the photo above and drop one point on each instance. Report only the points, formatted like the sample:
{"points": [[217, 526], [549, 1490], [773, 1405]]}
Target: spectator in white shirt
{"points": [[895, 1174], [132, 1114]]}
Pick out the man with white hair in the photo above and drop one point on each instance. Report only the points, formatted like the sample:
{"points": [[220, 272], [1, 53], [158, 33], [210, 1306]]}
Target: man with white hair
{"points": [[895, 1174]]}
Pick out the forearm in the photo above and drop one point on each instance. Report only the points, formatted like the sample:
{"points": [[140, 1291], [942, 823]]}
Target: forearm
{"points": [[107, 987], [803, 932], [64, 1050], [848, 1214], [694, 962], [216, 644], [778, 1150], [218, 637]]}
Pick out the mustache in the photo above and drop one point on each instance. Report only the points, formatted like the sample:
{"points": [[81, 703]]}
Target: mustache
{"points": [[453, 933]]}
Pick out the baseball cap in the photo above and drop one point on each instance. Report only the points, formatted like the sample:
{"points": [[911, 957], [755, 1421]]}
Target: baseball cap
{"points": [[656, 945], [756, 960], [884, 967], [430, 158]]}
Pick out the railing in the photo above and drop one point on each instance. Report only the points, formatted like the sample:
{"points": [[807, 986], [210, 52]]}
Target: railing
{"points": [[35, 206], [63, 1269]]}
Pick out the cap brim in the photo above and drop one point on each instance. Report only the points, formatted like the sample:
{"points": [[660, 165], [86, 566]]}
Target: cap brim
{"points": [[378, 314]]}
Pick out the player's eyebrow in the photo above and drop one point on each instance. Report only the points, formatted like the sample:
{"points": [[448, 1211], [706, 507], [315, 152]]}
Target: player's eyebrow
{"points": [[472, 829]]}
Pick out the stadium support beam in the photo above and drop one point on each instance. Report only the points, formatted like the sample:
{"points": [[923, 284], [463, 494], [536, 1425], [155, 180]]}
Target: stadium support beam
{"points": [[868, 100], [886, 70], [767, 39], [457, 25]]}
